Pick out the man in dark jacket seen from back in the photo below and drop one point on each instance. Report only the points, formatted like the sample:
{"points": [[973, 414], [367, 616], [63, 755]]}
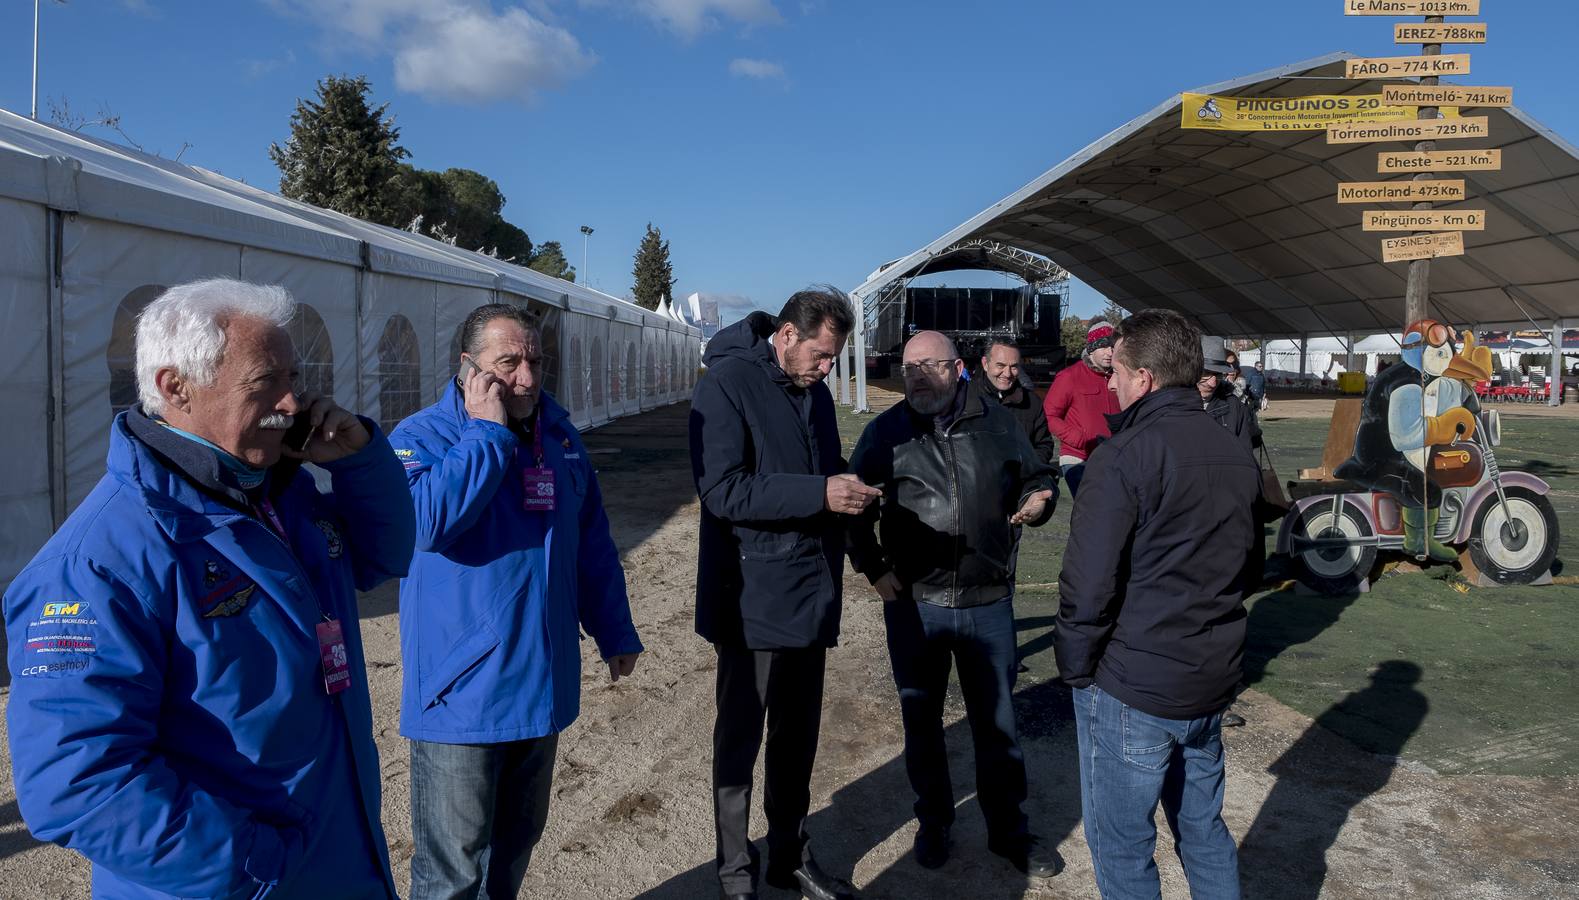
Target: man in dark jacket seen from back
{"points": [[1151, 619], [766, 457], [1000, 382], [958, 479]]}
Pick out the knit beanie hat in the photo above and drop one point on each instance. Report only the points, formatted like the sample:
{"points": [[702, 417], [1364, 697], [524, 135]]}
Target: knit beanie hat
{"points": [[1098, 335]]}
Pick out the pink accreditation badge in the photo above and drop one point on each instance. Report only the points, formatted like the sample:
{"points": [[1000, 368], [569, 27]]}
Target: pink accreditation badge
{"points": [[537, 487], [537, 482], [336, 666]]}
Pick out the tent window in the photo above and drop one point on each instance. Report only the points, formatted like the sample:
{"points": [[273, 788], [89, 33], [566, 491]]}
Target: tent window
{"points": [[122, 354], [314, 350], [632, 373], [652, 373], [548, 326], [597, 373], [574, 376], [616, 370], [399, 373]]}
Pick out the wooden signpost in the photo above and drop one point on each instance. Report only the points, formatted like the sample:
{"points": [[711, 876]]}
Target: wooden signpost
{"points": [[1424, 220], [1423, 246], [1446, 95], [1409, 130], [1439, 161], [1407, 66], [1440, 190], [1440, 34], [1411, 7]]}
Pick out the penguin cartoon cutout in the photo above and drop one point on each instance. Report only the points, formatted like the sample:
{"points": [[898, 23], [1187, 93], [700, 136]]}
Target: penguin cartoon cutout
{"points": [[1409, 411]]}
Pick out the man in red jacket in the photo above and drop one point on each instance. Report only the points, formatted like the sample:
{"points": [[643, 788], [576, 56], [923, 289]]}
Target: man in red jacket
{"points": [[1079, 403]]}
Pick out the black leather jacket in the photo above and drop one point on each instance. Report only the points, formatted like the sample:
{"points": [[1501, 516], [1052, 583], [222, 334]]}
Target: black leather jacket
{"points": [[948, 493]]}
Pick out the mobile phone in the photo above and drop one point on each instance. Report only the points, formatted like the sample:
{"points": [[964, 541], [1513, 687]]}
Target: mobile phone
{"points": [[300, 433], [467, 367]]}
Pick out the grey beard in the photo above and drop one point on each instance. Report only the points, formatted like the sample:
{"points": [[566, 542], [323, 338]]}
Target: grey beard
{"points": [[931, 407], [276, 422]]}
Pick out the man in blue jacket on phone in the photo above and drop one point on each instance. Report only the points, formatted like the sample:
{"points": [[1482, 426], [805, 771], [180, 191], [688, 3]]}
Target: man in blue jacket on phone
{"points": [[189, 706], [514, 559]]}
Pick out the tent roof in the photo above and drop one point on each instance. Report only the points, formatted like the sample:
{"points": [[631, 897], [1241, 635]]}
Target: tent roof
{"points": [[75, 173], [1242, 230]]}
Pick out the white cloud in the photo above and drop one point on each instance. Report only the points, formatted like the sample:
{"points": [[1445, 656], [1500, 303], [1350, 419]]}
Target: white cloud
{"points": [[257, 68], [689, 18], [460, 50], [755, 68]]}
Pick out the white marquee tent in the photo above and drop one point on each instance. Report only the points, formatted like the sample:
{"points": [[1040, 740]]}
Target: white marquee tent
{"points": [[94, 232]]}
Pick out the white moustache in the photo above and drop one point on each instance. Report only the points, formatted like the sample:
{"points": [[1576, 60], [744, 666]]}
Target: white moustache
{"points": [[276, 422]]}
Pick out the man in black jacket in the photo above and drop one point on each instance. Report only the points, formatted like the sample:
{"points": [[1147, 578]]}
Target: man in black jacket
{"points": [[765, 455], [958, 478], [1219, 398], [1151, 619], [1000, 382]]}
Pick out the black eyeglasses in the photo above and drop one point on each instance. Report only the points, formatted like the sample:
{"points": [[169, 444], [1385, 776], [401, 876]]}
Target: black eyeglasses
{"points": [[927, 365]]}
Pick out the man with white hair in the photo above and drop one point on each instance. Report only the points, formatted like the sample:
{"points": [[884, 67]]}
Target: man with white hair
{"points": [[189, 706]]}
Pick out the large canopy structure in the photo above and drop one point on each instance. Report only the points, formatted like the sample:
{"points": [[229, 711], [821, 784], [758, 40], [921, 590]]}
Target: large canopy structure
{"points": [[95, 232], [1242, 230]]}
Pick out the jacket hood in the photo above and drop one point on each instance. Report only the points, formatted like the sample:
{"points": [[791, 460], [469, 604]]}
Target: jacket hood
{"points": [[747, 340]]}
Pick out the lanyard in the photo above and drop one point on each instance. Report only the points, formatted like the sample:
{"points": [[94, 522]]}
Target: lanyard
{"points": [[272, 519]]}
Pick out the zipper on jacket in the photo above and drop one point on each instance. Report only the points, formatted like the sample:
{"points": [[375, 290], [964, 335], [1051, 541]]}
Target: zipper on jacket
{"points": [[953, 487]]}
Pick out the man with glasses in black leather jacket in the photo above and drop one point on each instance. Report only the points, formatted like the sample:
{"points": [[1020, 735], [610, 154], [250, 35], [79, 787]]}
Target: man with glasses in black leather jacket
{"points": [[958, 476]]}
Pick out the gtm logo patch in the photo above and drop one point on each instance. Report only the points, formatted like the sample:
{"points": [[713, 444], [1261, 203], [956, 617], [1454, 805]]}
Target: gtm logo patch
{"points": [[64, 609]]}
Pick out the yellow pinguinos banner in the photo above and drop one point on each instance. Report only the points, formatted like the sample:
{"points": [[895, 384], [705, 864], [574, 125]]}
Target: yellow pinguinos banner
{"points": [[1314, 113]]}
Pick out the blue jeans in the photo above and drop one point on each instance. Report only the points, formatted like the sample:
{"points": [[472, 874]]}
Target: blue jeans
{"points": [[1129, 762], [477, 810], [923, 641], [1072, 476]]}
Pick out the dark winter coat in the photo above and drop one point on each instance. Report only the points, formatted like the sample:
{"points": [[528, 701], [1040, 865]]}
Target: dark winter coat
{"points": [[948, 493], [1236, 416], [1151, 599], [770, 556], [1026, 407]]}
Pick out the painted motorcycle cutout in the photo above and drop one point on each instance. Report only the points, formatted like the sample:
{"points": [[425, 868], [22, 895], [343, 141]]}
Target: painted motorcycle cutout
{"points": [[1423, 479]]}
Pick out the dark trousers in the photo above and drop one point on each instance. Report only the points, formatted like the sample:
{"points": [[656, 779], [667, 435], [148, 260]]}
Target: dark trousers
{"points": [[477, 810], [784, 687], [923, 641]]}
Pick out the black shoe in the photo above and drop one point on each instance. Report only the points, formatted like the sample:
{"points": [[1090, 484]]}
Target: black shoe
{"points": [[931, 846], [1027, 853], [1233, 720], [744, 895], [812, 882]]}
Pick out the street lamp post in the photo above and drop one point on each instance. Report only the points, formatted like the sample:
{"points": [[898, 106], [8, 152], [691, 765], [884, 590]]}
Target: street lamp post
{"points": [[586, 234]]}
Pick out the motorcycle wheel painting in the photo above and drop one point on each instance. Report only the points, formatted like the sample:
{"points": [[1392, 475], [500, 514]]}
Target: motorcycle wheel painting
{"points": [[1518, 544]]}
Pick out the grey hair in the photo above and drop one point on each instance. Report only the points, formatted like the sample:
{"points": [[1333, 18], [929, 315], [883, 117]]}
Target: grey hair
{"points": [[184, 329]]}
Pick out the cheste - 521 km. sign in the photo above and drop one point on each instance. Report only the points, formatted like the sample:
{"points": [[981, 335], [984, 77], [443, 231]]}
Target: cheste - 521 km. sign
{"points": [[1313, 113]]}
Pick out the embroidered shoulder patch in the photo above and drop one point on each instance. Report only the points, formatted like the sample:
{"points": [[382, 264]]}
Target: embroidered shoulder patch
{"points": [[332, 536], [233, 604]]}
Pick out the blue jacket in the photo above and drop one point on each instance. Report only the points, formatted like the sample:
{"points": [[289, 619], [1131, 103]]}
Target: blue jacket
{"points": [[168, 718], [490, 613]]}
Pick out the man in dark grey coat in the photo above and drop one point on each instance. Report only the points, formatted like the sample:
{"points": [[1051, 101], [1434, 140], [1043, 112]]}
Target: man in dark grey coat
{"points": [[766, 457], [1151, 617]]}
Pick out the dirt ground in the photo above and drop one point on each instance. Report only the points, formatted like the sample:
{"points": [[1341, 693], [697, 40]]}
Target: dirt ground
{"points": [[632, 815]]}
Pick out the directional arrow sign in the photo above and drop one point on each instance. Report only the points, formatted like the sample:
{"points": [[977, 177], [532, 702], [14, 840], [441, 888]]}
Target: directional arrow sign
{"points": [[1446, 95], [1409, 130], [1424, 220], [1411, 7], [1423, 246], [1400, 66], [1441, 190], [1439, 161]]}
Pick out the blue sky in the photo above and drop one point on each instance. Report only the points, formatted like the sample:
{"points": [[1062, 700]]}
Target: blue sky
{"points": [[775, 142]]}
